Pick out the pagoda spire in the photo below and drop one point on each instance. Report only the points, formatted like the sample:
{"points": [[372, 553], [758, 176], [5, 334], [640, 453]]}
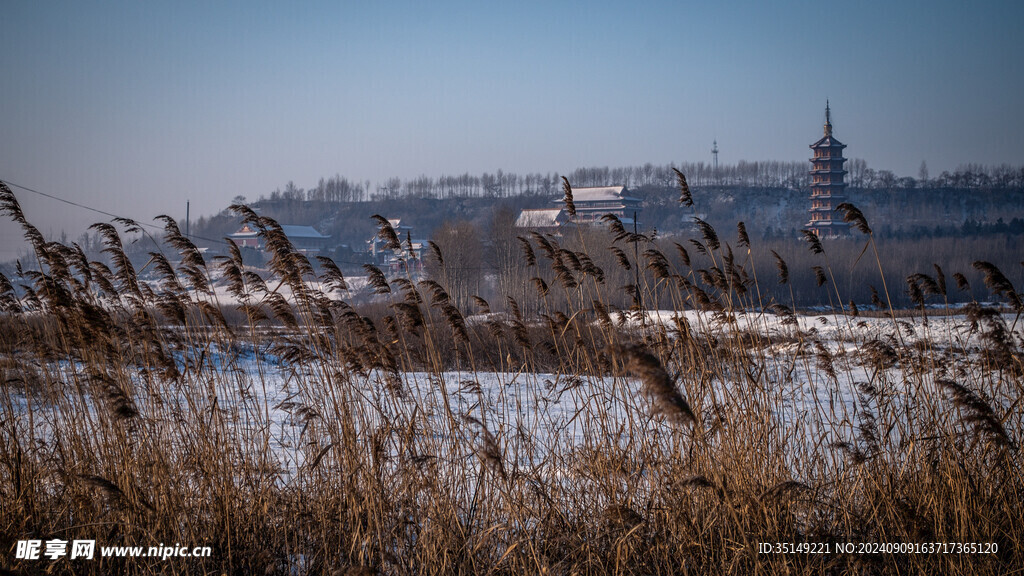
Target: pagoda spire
{"points": [[828, 119]]}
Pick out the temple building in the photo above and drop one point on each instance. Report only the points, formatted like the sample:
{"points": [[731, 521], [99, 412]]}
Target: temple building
{"points": [[593, 203], [304, 239], [827, 186]]}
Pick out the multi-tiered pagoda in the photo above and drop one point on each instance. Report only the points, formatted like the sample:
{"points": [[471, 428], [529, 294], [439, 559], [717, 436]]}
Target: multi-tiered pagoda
{"points": [[827, 186]]}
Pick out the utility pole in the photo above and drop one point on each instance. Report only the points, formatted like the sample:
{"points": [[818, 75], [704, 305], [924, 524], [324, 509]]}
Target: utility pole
{"points": [[636, 265], [186, 218]]}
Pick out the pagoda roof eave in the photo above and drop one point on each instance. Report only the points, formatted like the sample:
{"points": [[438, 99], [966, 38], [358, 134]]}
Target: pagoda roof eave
{"points": [[828, 142]]}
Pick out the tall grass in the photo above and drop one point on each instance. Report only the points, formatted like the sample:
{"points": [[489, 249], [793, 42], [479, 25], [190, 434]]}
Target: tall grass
{"points": [[297, 433]]}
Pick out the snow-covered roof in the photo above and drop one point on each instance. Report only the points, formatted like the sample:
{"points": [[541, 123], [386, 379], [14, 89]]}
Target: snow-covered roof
{"points": [[292, 231], [243, 233], [539, 218], [396, 224], [828, 142], [600, 194]]}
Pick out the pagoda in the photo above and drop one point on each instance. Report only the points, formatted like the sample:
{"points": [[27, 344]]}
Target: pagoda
{"points": [[827, 186]]}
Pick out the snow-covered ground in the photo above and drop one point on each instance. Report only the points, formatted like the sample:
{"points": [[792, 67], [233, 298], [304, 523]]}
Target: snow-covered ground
{"points": [[826, 327], [810, 376]]}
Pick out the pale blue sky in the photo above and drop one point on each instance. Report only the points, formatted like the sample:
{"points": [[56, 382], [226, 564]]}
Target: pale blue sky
{"points": [[134, 107]]}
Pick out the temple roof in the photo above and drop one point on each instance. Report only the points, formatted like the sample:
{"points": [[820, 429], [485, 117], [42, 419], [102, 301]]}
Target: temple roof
{"points": [[828, 224], [243, 233], [600, 194], [539, 218], [301, 232], [291, 231], [828, 142]]}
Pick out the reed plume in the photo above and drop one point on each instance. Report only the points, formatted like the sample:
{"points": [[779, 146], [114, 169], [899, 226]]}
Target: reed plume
{"points": [[999, 284], [709, 234], [527, 249], [656, 382], [377, 279], [570, 207], [979, 414], [781, 266], [386, 232], [741, 233], [812, 239], [331, 275], [854, 216], [435, 252], [685, 198]]}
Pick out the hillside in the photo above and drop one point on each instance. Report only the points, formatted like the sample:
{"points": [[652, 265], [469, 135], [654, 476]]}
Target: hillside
{"points": [[768, 212]]}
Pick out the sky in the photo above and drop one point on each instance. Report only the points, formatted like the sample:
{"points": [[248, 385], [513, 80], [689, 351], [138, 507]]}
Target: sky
{"points": [[135, 108]]}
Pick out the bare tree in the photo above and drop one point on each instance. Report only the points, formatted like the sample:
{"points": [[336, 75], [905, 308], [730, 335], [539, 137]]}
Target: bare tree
{"points": [[459, 269], [506, 255]]}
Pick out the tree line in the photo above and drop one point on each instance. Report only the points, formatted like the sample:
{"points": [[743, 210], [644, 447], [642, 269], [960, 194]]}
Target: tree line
{"points": [[757, 174]]}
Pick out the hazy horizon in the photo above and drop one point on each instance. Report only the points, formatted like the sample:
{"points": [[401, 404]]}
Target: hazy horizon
{"points": [[135, 109]]}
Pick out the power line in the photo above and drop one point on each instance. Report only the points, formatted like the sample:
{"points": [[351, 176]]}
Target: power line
{"points": [[160, 228], [97, 210]]}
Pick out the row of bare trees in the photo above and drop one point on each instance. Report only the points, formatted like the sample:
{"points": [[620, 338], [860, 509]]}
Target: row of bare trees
{"points": [[761, 174]]}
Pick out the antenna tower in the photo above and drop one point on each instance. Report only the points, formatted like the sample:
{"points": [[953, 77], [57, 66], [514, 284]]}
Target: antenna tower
{"points": [[714, 153]]}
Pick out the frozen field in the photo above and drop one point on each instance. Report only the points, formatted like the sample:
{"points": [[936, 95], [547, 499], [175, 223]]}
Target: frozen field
{"points": [[811, 380]]}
